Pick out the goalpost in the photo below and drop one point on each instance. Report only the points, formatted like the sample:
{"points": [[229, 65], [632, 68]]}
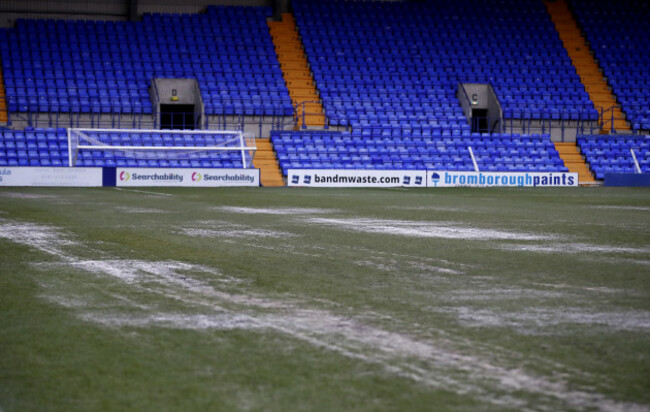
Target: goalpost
{"points": [[205, 146]]}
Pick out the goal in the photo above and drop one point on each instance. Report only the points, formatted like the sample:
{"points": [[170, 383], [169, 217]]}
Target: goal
{"points": [[160, 148]]}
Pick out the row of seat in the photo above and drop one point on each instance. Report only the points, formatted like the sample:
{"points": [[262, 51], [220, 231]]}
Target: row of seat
{"points": [[363, 151], [49, 147], [618, 38], [414, 39], [613, 154], [75, 66], [156, 163]]}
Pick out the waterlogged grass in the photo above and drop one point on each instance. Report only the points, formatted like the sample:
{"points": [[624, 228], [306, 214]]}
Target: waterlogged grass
{"points": [[308, 299]]}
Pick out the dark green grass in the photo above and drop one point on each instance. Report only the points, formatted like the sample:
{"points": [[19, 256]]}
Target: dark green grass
{"points": [[569, 309]]}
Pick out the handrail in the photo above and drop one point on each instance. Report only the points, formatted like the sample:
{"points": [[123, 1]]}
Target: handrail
{"points": [[296, 116], [610, 121], [199, 118], [466, 103], [471, 153], [3, 101], [492, 92], [462, 87], [581, 120], [637, 167], [156, 110]]}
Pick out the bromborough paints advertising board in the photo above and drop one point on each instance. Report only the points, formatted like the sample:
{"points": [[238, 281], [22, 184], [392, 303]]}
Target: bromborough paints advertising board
{"points": [[421, 178], [496, 179]]}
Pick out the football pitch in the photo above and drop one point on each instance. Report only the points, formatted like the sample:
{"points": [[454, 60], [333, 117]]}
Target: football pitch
{"points": [[289, 299]]}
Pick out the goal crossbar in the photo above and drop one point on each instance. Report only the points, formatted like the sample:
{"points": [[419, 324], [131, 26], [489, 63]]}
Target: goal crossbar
{"points": [[243, 144], [169, 148]]}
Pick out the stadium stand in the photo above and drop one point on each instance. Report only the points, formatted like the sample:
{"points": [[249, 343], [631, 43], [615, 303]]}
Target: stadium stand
{"points": [[618, 36], [107, 66], [357, 150], [43, 147], [386, 75], [49, 147], [613, 153], [400, 63], [390, 71]]}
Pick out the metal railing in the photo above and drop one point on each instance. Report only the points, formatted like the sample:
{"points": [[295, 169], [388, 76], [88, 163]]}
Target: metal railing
{"points": [[582, 120], [300, 117], [498, 122], [52, 116], [637, 167], [471, 153], [608, 118], [463, 98], [156, 110]]}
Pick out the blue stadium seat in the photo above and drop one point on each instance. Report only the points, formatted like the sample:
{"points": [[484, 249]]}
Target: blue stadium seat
{"points": [[617, 35], [612, 153], [240, 59], [339, 150]]}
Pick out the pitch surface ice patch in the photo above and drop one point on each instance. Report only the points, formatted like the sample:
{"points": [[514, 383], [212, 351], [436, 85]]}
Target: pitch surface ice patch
{"points": [[276, 211], [424, 362], [393, 266], [502, 294], [235, 233], [544, 321], [225, 229], [613, 207], [132, 271], [210, 303], [226, 321], [126, 209], [572, 248], [424, 229], [596, 289], [44, 238], [16, 195], [434, 208]]}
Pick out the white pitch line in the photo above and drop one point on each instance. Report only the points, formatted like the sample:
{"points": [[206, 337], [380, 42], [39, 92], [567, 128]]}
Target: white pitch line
{"points": [[143, 191]]}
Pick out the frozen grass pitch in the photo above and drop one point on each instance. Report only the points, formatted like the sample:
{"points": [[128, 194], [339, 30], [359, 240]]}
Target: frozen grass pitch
{"points": [[309, 299]]}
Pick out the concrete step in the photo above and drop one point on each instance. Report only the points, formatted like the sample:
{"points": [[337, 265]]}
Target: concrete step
{"points": [[574, 162], [586, 66], [295, 69]]}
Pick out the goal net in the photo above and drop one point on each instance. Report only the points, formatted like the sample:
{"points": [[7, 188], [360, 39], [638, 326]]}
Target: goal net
{"points": [[160, 148]]}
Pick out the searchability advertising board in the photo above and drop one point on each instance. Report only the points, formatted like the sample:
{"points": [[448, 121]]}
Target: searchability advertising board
{"points": [[51, 176], [497, 179], [187, 177], [356, 178]]}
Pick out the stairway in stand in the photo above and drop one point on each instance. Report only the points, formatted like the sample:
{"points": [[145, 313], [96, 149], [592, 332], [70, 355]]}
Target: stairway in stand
{"points": [[266, 161], [296, 72], [3, 100], [575, 163], [586, 65]]}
